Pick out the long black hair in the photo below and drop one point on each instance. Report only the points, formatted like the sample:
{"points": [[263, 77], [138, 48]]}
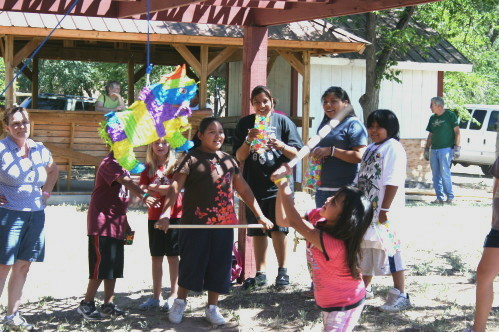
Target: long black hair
{"points": [[203, 125], [340, 94], [352, 224], [386, 119]]}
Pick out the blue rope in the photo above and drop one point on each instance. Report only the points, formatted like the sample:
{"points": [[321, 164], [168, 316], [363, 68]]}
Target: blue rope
{"points": [[38, 48], [148, 45]]}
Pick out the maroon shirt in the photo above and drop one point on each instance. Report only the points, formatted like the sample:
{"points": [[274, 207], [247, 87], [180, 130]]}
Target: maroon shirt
{"points": [[109, 201]]}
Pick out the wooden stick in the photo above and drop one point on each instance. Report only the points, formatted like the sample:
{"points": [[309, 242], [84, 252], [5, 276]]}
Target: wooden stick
{"points": [[215, 226], [312, 142]]}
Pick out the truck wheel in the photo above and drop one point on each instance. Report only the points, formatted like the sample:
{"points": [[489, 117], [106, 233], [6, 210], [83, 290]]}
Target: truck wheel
{"points": [[485, 169]]}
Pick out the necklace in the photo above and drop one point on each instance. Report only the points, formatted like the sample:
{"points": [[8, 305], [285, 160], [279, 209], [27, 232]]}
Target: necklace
{"points": [[215, 164]]}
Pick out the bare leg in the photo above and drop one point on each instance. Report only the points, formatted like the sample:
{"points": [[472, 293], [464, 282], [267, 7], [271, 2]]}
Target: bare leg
{"points": [[173, 268], [157, 276], [92, 287], [367, 280], [213, 298], [260, 244], [279, 240], [182, 293], [4, 273], [17, 279], [109, 285], [487, 270], [399, 281]]}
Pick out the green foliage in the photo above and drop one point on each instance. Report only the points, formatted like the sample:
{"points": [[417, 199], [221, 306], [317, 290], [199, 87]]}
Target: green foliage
{"points": [[470, 26]]}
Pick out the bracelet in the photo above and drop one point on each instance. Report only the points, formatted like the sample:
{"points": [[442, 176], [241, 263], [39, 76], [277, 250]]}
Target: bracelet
{"points": [[246, 141], [46, 193], [383, 209], [284, 179], [332, 150], [145, 195]]}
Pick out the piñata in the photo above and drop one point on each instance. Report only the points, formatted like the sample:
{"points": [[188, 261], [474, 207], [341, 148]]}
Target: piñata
{"points": [[162, 110]]}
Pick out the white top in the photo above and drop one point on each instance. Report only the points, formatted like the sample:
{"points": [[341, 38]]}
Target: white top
{"points": [[382, 165]]}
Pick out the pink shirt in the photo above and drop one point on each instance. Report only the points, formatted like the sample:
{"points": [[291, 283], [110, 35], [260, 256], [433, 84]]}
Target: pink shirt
{"points": [[334, 285]]}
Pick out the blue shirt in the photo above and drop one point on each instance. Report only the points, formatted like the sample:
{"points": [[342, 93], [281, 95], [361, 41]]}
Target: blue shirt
{"points": [[348, 133], [21, 179]]}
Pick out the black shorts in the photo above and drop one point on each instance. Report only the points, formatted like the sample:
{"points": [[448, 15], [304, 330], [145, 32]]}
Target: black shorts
{"points": [[205, 259], [105, 257], [161, 243], [492, 239], [268, 209]]}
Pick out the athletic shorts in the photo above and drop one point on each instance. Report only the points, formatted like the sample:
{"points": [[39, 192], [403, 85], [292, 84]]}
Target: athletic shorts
{"points": [[22, 236], [205, 259], [492, 239], [105, 257], [268, 208], [375, 262], [161, 243]]}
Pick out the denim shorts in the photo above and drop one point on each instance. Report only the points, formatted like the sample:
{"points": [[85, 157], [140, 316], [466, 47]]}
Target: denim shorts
{"points": [[22, 236], [492, 239]]}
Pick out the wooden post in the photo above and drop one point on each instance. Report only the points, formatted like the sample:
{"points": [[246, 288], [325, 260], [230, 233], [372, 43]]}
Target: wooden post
{"points": [[305, 102], [8, 58], [34, 83], [131, 82], [203, 77], [255, 46]]}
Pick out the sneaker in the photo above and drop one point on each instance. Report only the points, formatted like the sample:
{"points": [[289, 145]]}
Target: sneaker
{"points": [[177, 311], [150, 303], [282, 279], [395, 302], [437, 202], [449, 201], [213, 315], [259, 280], [88, 311], [16, 322], [168, 304], [369, 293], [111, 310]]}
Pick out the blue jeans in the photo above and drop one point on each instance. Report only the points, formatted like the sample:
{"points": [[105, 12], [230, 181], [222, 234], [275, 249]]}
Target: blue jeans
{"points": [[440, 160]]}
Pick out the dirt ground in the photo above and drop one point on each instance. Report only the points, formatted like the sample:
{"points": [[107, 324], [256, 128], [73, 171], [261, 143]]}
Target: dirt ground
{"points": [[442, 248]]}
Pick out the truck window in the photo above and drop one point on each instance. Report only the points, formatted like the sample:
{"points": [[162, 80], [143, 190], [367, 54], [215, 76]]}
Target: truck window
{"points": [[493, 121], [478, 115], [463, 124]]}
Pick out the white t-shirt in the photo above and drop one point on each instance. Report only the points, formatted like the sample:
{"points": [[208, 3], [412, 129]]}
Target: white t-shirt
{"points": [[382, 165]]}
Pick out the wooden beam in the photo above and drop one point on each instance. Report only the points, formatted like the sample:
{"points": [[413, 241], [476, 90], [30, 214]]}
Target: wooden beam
{"points": [[305, 102], [203, 77], [76, 157], [247, 4], [35, 84], [271, 61], [296, 63], [220, 58], [139, 74], [26, 71], [8, 59], [131, 81], [189, 57]]}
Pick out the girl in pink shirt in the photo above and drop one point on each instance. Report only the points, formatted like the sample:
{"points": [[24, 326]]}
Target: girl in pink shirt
{"points": [[333, 233]]}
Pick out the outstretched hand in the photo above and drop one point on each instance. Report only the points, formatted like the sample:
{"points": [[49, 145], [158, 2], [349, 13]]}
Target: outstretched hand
{"points": [[281, 172]]}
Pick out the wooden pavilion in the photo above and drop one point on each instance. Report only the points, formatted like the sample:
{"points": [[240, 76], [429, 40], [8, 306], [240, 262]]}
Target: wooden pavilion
{"points": [[254, 17]]}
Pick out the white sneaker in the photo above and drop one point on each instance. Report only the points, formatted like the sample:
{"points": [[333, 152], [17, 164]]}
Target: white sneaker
{"points": [[369, 293], [213, 315], [395, 302], [177, 311], [168, 304]]}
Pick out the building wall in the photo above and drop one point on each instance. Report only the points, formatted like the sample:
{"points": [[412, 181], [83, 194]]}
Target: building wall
{"points": [[418, 169]]}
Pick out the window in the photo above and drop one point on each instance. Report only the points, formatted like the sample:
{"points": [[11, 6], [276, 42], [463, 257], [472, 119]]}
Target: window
{"points": [[478, 115], [493, 121], [463, 124]]}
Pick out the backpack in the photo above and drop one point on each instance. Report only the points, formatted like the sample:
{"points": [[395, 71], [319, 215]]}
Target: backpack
{"points": [[237, 263]]}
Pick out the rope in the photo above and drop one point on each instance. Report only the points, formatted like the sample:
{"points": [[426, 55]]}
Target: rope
{"points": [[148, 45], [39, 47]]}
